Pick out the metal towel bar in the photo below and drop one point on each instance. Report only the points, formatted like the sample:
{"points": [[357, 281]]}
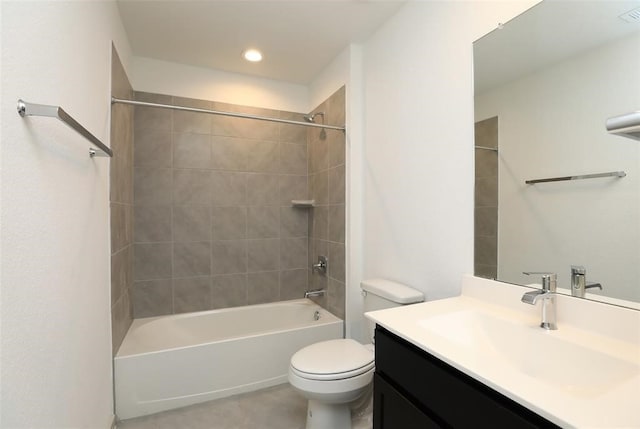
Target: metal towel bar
{"points": [[32, 109], [580, 177]]}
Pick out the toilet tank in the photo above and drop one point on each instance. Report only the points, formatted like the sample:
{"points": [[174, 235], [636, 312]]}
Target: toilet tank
{"points": [[381, 293]]}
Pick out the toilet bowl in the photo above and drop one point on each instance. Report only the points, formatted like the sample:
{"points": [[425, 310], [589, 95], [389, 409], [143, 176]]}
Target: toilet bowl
{"points": [[331, 375], [335, 374]]}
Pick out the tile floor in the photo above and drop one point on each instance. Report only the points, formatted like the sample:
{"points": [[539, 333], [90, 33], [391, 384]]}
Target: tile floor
{"points": [[278, 407]]}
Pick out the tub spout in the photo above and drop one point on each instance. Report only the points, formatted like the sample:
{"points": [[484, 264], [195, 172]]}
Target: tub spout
{"points": [[315, 292]]}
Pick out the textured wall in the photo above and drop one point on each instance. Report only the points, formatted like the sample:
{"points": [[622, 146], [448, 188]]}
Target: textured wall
{"points": [[56, 338], [214, 226], [486, 199], [121, 180], [327, 188]]}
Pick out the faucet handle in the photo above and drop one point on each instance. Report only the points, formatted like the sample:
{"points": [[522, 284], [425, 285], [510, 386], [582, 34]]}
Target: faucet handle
{"points": [[578, 269], [549, 280]]}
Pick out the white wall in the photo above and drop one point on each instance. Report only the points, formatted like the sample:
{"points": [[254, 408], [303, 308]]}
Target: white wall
{"points": [[56, 336], [162, 77], [551, 124], [418, 139]]}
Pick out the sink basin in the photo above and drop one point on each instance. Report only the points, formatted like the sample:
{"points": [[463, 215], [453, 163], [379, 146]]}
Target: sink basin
{"points": [[552, 357]]}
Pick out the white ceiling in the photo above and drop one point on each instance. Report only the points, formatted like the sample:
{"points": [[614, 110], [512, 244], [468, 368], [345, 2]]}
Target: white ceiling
{"points": [[298, 38], [548, 33]]}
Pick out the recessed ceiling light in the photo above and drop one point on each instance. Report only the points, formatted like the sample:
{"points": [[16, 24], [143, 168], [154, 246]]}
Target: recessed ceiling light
{"points": [[252, 55]]}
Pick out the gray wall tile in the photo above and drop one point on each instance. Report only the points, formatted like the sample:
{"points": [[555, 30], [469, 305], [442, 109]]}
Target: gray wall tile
{"points": [[319, 187], [229, 153], [228, 223], [152, 261], [263, 222], [152, 148], [229, 257], [191, 122], [293, 158], [192, 294], [486, 192], [263, 255], [191, 259], [336, 264], [263, 189], [191, 223], [294, 222], [336, 147], [319, 222], [486, 221], [263, 156], [121, 200], [336, 223], [151, 118], [228, 188], [292, 188], [229, 290], [337, 185], [121, 226], [293, 283], [152, 186], [152, 298], [293, 253], [293, 133], [263, 287], [192, 187], [336, 298], [486, 250], [191, 150], [152, 224]]}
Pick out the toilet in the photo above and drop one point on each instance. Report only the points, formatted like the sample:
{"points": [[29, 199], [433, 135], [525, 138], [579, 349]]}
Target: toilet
{"points": [[333, 374]]}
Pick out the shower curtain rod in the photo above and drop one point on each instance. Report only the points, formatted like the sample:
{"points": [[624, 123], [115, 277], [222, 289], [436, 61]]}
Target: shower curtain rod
{"points": [[217, 112]]}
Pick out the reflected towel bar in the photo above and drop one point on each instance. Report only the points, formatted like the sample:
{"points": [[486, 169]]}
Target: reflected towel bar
{"points": [[32, 109], [218, 112], [580, 177]]}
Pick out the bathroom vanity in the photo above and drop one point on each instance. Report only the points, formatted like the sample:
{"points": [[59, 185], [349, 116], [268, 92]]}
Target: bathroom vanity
{"points": [[414, 389], [481, 359]]}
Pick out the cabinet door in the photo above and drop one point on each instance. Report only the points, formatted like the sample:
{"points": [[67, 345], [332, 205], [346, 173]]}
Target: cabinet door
{"points": [[391, 410]]}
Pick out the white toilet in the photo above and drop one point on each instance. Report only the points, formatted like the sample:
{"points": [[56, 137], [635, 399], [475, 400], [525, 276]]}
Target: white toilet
{"points": [[333, 374]]}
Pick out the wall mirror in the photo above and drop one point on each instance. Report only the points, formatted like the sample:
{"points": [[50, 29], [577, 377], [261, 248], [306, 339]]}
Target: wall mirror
{"points": [[545, 83]]}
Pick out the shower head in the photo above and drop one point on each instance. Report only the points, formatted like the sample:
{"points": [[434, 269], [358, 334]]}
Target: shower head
{"points": [[310, 117]]}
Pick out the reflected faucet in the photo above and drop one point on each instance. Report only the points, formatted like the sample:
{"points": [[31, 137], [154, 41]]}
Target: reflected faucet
{"points": [[579, 283], [548, 296]]}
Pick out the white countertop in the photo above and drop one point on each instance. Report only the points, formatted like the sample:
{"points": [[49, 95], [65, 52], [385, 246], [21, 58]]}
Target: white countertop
{"points": [[506, 350]]}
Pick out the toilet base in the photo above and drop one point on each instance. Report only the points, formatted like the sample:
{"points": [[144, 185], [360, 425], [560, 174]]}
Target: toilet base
{"points": [[321, 415]]}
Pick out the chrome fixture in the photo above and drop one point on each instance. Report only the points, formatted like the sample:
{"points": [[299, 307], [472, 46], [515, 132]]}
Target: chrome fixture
{"points": [[579, 283], [311, 116], [548, 296], [578, 177], [32, 109], [222, 113], [314, 293], [321, 266], [627, 125]]}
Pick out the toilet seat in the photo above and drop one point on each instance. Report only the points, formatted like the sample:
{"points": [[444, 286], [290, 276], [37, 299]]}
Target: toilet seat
{"points": [[332, 360]]}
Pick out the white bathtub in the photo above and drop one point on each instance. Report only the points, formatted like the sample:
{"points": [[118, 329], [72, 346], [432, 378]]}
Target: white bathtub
{"points": [[172, 361]]}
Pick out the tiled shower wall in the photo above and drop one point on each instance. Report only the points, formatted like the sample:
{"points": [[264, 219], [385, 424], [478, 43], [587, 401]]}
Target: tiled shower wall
{"points": [[214, 226], [486, 199], [121, 198], [327, 187]]}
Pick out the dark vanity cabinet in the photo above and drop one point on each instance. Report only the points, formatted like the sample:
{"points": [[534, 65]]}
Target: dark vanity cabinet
{"points": [[413, 389]]}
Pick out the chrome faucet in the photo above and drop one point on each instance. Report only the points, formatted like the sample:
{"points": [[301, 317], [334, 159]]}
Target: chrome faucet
{"points": [[315, 292], [321, 266], [579, 283], [548, 296]]}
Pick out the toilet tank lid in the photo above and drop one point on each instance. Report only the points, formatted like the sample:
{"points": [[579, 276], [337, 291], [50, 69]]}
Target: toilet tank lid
{"points": [[393, 291]]}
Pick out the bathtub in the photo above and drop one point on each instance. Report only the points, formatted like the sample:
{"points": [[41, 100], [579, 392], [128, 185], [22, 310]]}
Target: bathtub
{"points": [[171, 361]]}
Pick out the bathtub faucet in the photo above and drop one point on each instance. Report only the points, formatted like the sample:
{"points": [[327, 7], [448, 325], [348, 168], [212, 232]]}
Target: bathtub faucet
{"points": [[315, 292]]}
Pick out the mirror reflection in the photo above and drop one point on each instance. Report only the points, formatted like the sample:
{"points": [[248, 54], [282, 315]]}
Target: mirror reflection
{"points": [[545, 84]]}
